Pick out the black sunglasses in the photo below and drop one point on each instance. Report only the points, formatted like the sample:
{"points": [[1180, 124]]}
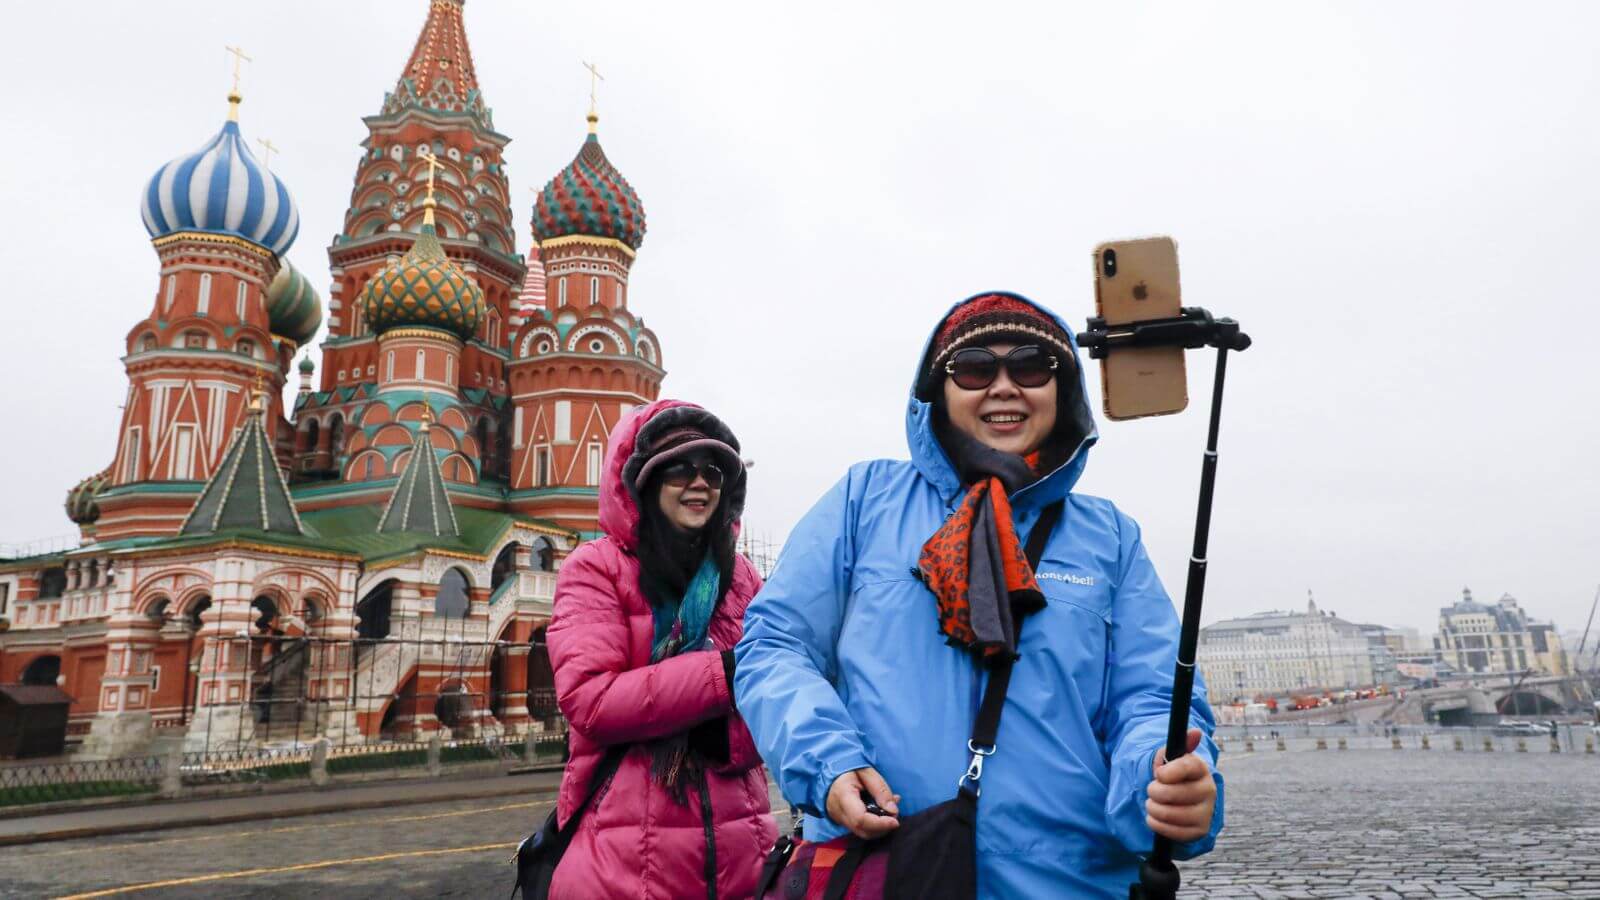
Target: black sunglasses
{"points": [[975, 368], [683, 473]]}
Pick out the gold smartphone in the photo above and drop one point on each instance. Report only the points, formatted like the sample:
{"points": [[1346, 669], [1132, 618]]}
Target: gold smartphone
{"points": [[1135, 281]]}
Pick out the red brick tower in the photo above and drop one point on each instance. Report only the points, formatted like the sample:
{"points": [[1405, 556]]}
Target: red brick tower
{"points": [[220, 222], [436, 108], [583, 360]]}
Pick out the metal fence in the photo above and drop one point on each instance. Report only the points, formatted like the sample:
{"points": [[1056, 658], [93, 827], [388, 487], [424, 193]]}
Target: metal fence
{"points": [[52, 782], [289, 690], [1567, 738], [269, 708], [178, 772]]}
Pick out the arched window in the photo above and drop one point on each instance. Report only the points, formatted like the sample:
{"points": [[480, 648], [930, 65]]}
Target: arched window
{"points": [[192, 617], [505, 566], [158, 610], [544, 555], [246, 348], [336, 435], [313, 432], [374, 610], [422, 361], [147, 343], [452, 600], [313, 612], [94, 574], [266, 613], [44, 671]]}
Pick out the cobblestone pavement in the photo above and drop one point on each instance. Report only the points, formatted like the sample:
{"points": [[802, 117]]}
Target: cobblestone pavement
{"points": [[1405, 823], [1301, 824]]}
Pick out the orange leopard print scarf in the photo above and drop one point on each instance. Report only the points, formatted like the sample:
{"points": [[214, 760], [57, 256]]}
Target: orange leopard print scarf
{"points": [[976, 567]]}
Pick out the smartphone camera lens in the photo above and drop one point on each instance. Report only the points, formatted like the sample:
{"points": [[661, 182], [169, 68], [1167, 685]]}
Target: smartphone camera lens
{"points": [[1108, 262]]}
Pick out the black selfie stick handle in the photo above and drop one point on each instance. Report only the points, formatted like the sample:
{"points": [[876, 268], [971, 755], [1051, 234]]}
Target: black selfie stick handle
{"points": [[1158, 877]]}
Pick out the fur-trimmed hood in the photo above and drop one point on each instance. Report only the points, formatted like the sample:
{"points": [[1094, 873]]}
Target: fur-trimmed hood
{"points": [[619, 502]]}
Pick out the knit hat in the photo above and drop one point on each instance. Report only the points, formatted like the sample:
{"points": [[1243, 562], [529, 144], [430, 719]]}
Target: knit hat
{"points": [[678, 432], [987, 319]]}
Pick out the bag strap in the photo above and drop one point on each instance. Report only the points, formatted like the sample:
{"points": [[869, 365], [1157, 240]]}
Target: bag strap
{"points": [[607, 768], [987, 723]]}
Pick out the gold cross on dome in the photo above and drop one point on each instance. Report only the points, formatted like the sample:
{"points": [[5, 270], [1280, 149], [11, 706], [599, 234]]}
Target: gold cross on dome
{"points": [[269, 148], [238, 59], [233, 96], [433, 163], [594, 80]]}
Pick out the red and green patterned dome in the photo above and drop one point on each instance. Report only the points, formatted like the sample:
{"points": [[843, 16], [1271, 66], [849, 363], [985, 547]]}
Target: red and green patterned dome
{"points": [[82, 506], [589, 197], [423, 289]]}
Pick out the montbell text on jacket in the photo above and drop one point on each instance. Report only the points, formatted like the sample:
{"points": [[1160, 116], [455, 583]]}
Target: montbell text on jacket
{"points": [[635, 841], [842, 666]]}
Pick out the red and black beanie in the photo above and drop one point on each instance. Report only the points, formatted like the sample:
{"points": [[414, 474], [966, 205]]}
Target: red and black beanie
{"points": [[986, 319]]}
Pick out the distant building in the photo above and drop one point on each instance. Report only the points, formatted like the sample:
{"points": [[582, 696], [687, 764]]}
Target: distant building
{"points": [[1276, 653], [1385, 645], [1482, 639]]}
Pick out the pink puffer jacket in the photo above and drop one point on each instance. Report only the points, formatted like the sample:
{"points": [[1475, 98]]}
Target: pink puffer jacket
{"points": [[635, 841]]}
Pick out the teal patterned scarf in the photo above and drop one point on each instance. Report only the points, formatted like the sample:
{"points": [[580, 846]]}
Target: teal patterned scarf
{"points": [[680, 628]]}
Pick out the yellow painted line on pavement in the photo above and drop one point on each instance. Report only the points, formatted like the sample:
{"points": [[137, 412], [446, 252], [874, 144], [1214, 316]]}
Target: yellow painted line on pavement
{"points": [[248, 873], [289, 828]]}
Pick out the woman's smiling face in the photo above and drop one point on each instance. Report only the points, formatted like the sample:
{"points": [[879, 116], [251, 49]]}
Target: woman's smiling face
{"points": [[1004, 416], [688, 504]]}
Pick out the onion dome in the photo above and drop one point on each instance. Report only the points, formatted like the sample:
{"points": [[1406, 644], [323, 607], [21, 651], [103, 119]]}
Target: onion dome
{"points": [[294, 310], [306, 365], [82, 507], [589, 197], [423, 289], [222, 189]]}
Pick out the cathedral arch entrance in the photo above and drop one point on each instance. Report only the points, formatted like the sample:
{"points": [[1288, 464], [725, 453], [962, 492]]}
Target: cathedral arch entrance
{"points": [[374, 611], [44, 671]]}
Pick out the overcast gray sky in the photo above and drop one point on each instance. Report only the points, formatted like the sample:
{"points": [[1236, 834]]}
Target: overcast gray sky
{"points": [[1399, 201]]}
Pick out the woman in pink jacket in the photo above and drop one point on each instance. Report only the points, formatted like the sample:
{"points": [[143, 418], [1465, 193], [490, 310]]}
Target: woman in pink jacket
{"points": [[645, 621]]}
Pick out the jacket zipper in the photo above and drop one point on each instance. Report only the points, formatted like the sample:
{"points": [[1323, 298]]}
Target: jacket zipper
{"points": [[711, 839]]}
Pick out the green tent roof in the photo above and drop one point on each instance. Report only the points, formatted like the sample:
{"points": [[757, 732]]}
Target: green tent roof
{"points": [[420, 503], [247, 490]]}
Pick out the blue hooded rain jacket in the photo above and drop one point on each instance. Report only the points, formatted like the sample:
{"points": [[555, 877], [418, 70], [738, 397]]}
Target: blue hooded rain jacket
{"points": [[842, 666]]}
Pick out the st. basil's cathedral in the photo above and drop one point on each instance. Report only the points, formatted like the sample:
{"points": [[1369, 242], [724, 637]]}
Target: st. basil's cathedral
{"points": [[424, 486]]}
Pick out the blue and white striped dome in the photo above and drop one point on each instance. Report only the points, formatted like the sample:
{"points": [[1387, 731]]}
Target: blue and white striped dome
{"points": [[222, 188]]}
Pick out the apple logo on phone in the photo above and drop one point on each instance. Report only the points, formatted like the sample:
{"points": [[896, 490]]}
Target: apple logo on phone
{"points": [[1140, 292]]}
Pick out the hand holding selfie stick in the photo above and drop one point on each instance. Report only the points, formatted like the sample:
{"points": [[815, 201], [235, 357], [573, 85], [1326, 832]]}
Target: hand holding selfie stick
{"points": [[1158, 877]]}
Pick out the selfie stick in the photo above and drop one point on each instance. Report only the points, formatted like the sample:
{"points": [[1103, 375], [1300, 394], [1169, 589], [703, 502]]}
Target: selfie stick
{"points": [[1194, 328]]}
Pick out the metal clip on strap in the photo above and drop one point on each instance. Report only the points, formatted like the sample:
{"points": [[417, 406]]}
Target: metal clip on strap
{"points": [[974, 772]]}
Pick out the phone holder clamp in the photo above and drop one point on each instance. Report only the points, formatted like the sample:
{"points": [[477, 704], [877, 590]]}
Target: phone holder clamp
{"points": [[1193, 328]]}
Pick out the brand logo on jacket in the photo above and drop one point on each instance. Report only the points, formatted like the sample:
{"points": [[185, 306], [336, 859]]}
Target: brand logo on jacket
{"points": [[1067, 578]]}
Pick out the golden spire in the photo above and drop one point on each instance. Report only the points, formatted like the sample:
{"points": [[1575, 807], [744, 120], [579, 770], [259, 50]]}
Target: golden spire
{"points": [[233, 96], [594, 79], [268, 148], [428, 202], [427, 417]]}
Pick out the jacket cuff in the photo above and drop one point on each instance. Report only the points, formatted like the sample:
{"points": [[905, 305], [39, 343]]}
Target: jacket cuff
{"points": [[831, 770]]}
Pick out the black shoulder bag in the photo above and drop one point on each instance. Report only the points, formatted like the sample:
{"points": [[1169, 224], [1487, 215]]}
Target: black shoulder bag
{"points": [[540, 852], [934, 852]]}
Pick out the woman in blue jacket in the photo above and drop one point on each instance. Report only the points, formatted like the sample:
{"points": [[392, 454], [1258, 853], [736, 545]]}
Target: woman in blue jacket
{"points": [[860, 666]]}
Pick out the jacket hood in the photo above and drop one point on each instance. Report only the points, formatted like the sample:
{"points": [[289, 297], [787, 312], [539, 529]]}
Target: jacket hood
{"points": [[619, 504], [1074, 425]]}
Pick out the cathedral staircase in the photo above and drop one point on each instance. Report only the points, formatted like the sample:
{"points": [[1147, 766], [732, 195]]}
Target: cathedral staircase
{"points": [[279, 689]]}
